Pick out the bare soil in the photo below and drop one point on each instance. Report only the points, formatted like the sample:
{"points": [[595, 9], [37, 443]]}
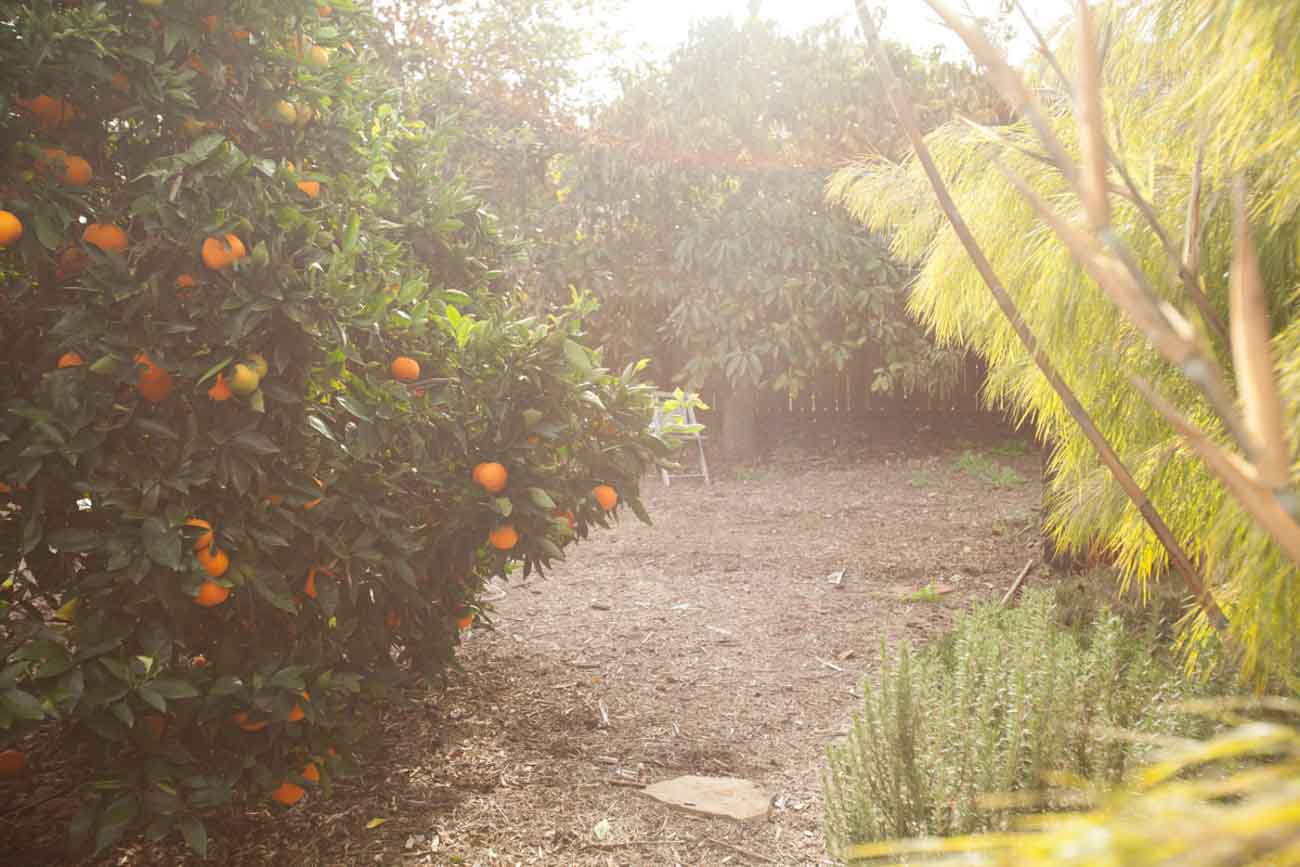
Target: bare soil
{"points": [[716, 642]]}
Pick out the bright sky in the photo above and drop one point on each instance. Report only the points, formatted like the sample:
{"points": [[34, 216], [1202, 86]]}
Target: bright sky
{"points": [[662, 24]]}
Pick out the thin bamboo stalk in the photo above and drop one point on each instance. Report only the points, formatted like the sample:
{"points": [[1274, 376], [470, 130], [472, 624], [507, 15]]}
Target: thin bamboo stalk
{"points": [[1182, 564]]}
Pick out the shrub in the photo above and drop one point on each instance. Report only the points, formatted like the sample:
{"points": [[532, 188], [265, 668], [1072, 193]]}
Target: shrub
{"points": [[1006, 701], [230, 518]]}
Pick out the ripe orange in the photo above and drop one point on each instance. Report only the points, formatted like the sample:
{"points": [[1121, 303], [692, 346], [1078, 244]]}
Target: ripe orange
{"points": [[492, 476], [567, 516], [106, 237], [205, 539], [199, 661], [219, 253], [606, 496], [311, 772], [503, 537], [220, 390], [70, 359], [154, 724], [325, 11], [12, 763], [405, 369], [214, 561], [311, 504], [241, 35], [287, 794], [186, 281], [297, 713], [212, 594], [310, 188], [11, 229], [154, 383], [211, 23], [76, 171], [52, 113], [309, 586], [240, 719], [465, 622]]}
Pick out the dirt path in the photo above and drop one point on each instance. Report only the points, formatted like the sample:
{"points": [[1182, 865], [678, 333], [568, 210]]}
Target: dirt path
{"points": [[710, 643]]}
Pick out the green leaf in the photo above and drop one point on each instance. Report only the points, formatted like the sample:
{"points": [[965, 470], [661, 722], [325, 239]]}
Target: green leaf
{"points": [[541, 499], [577, 356], [318, 424], [116, 819], [255, 442], [195, 834], [203, 148], [82, 821], [161, 543], [153, 426], [503, 506], [352, 407], [21, 705], [152, 698], [173, 688]]}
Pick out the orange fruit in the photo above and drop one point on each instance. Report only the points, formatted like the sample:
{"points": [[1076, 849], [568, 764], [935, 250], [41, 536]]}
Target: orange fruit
{"points": [[11, 229], [311, 189], [120, 82], [503, 537], [287, 794], [52, 113], [325, 11], [606, 496], [12, 763], [76, 171], [241, 719], [492, 476], [567, 516], [199, 661], [534, 439], [214, 561], [154, 724], [106, 237], [311, 772], [309, 586], [71, 263], [212, 594], [405, 369], [465, 622], [211, 23], [241, 35], [70, 359], [186, 281], [205, 539], [393, 620], [154, 383], [311, 504], [220, 391], [219, 253], [297, 713]]}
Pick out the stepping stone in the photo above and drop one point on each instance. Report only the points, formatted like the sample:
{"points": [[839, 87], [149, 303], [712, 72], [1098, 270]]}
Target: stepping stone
{"points": [[728, 797]]}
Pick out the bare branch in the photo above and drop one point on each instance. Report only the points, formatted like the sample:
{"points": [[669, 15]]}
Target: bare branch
{"points": [[1092, 124], [1261, 401]]}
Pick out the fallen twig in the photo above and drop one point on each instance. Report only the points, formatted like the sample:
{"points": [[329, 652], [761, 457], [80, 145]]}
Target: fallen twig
{"points": [[747, 853], [1015, 585], [828, 664]]}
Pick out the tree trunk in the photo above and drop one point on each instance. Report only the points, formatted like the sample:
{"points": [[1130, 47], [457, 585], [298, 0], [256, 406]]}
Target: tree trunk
{"points": [[739, 431]]}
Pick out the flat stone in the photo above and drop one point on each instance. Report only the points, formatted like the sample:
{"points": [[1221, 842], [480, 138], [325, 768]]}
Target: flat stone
{"points": [[728, 797]]}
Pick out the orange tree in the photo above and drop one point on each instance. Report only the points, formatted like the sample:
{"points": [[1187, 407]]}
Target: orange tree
{"points": [[268, 420]]}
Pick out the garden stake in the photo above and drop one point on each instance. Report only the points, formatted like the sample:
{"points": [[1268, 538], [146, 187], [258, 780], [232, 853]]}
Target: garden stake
{"points": [[903, 108]]}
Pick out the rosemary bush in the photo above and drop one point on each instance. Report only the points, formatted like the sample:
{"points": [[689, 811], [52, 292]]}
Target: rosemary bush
{"points": [[1010, 699]]}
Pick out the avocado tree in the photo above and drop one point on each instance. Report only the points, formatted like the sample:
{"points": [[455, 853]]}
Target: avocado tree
{"points": [[694, 213], [268, 418]]}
